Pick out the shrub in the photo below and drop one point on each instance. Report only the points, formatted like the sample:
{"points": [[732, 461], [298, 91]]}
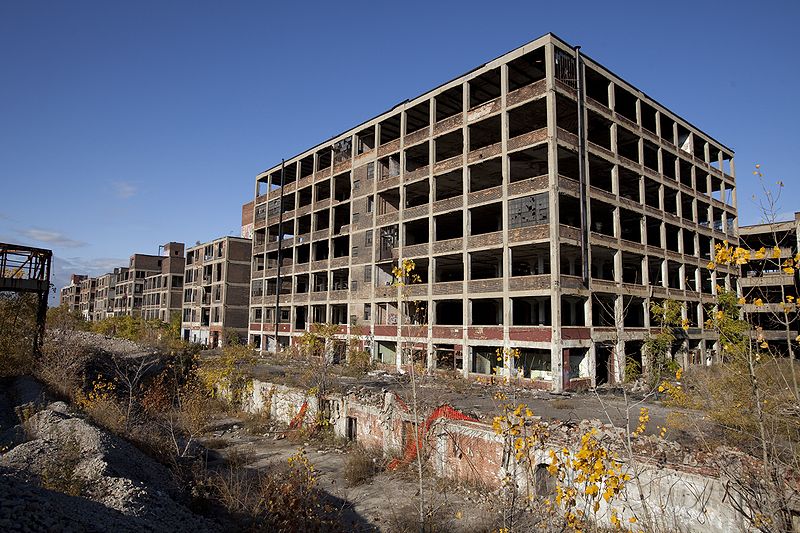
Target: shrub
{"points": [[361, 466], [59, 473]]}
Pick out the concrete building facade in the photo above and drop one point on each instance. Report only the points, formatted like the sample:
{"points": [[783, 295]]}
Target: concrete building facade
{"points": [[545, 203], [104, 297], [216, 291], [162, 294], [88, 294], [765, 279], [70, 295]]}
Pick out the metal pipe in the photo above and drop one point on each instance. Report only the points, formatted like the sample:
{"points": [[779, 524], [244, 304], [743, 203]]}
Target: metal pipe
{"points": [[280, 247], [582, 165]]}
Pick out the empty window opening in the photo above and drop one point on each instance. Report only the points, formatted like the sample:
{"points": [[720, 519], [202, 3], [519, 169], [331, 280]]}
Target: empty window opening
{"points": [[631, 225], [568, 164], [570, 260], [339, 279], [528, 163], [487, 311], [653, 226], [651, 193], [485, 133], [449, 145], [632, 268], [341, 246], [319, 314], [307, 166], [699, 146], [650, 153], [449, 185], [324, 158], [599, 130], [667, 126], [484, 359], [597, 86], [383, 275], [572, 311], [303, 253], [365, 140], [602, 218], [303, 225], [531, 311], [322, 190], [669, 163], [289, 174], [684, 139], [486, 219], [386, 352], [526, 69], [629, 184], [673, 275], [648, 113], [627, 144], [389, 241], [530, 260], [449, 312], [449, 268], [654, 271], [632, 312], [685, 172], [304, 196], [339, 314], [449, 103], [486, 175], [449, 226], [447, 357], [418, 117], [601, 173], [301, 283], [673, 234], [342, 150], [389, 201], [417, 193], [527, 117], [603, 311], [486, 264], [671, 200], [389, 166], [417, 157], [602, 266], [341, 217], [567, 114], [484, 88], [625, 103], [320, 281], [322, 220], [321, 250], [262, 185], [569, 210], [341, 187], [416, 232], [687, 207], [389, 129]]}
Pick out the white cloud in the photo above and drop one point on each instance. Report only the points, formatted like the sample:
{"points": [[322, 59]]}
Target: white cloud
{"points": [[51, 237], [124, 189]]}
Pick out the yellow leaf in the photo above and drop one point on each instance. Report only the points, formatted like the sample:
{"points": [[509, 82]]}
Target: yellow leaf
{"points": [[758, 302]]}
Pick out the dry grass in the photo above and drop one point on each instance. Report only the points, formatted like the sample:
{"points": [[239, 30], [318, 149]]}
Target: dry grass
{"points": [[361, 466]]}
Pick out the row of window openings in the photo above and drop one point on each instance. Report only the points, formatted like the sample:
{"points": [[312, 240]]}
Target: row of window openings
{"points": [[208, 273], [210, 251], [527, 311], [525, 261], [205, 316]]}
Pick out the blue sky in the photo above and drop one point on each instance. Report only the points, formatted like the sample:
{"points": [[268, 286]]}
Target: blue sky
{"points": [[122, 123]]}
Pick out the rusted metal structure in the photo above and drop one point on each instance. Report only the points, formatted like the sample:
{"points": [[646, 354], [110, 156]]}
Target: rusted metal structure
{"points": [[27, 269]]}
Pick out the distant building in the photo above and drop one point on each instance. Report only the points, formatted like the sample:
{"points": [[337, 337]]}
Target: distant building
{"points": [[104, 297], [765, 279], [216, 291], [162, 294], [71, 294], [87, 298], [247, 220]]}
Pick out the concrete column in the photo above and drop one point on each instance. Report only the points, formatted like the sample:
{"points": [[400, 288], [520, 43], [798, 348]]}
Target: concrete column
{"points": [[466, 306]]}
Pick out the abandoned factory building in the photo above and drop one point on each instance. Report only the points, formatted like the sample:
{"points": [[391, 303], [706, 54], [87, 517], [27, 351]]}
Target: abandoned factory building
{"points": [[545, 203]]}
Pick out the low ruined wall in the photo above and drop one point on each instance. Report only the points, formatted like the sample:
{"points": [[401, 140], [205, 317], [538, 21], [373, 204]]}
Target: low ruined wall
{"points": [[687, 499]]}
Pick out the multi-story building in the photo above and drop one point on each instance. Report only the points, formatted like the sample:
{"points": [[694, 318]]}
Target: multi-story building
{"points": [[764, 278], [71, 294], [88, 289], [104, 297], [121, 288], [247, 220], [545, 203], [162, 294], [216, 291]]}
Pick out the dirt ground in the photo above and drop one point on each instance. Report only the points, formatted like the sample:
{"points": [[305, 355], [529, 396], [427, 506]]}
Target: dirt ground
{"points": [[387, 502]]}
